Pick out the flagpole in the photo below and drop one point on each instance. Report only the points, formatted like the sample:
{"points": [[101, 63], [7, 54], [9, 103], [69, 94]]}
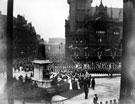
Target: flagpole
{"points": [[9, 43]]}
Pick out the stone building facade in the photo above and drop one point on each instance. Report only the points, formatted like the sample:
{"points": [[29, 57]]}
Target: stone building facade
{"points": [[56, 49], [93, 33]]}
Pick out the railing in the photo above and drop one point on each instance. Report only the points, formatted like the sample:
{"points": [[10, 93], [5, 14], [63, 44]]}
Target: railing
{"points": [[93, 70]]}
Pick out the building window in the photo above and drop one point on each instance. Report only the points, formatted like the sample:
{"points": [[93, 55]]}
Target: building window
{"points": [[76, 40], [100, 32], [100, 40], [80, 6], [81, 40], [80, 18], [116, 31]]}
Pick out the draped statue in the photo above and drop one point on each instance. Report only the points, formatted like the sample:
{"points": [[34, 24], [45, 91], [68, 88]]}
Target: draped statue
{"points": [[41, 55]]}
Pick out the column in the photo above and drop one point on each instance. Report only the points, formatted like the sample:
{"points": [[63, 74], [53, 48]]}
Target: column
{"points": [[127, 88], [9, 40]]}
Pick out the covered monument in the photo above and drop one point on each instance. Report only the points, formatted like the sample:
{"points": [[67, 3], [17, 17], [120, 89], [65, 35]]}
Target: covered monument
{"points": [[41, 72]]}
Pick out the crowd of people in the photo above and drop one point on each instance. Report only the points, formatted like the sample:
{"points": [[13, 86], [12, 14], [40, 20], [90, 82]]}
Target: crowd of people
{"points": [[94, 67], [77, 75], [71, 73], [23, 64]]}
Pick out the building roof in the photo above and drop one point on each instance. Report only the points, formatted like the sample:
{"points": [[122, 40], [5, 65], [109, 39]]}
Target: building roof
{"points": [[117, 13], [56, 40]]}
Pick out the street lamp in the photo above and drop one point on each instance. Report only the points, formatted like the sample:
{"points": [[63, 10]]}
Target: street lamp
{"points": [[70, 47], [60, 47]]}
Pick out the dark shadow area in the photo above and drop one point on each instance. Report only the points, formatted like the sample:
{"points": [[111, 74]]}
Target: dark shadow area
{"points": [[71, 93]]}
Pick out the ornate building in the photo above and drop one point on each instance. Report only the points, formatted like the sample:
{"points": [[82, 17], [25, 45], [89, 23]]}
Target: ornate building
{"points": [[93, 33]]}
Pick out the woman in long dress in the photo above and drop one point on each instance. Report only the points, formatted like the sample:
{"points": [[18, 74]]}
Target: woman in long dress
{"points": [[70, 83], [78, 86]]}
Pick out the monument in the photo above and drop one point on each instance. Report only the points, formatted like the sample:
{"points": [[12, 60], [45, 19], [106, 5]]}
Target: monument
{"points": [[41, 73]]}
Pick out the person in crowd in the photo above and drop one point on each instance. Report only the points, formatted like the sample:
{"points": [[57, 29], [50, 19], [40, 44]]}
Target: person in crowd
{"points": [[89, 80], [93, 83], [111, 73], [106, 102], [78, 85], [109, 69], [35, 85], [95, 99], [114, 101], [21, 78], [110, 101], [86, 87], [26, 78], [70, 83], [31, 75], [81, 81]]}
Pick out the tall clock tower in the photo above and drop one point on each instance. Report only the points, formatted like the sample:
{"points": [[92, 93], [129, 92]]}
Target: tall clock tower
{"points": [[77, 11], [77, 7]]}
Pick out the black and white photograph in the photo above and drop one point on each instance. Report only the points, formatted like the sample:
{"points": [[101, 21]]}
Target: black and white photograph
{"points": [[67, 52]]}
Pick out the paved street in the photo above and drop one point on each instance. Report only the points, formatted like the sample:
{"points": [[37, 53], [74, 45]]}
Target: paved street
{"points": [[106, 89]]}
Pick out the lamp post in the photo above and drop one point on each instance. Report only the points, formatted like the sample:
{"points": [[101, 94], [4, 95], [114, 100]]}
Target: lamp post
{"points": [[71, 48], [86, 53], [59, 53], [128, 54], [60, 47], [9, 43]]}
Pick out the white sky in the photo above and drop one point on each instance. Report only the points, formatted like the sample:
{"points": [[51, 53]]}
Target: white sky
{"points": [[48, 16]]}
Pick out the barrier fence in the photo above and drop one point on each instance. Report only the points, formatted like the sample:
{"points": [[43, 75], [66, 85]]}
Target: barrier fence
{"points": [[114, 101]]}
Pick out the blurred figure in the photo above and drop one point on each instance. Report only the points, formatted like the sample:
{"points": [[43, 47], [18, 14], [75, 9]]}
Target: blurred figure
{"points": [[86, 87], [110, 101], [114, 101], [95, 99], [93, 83], [89, 80]]}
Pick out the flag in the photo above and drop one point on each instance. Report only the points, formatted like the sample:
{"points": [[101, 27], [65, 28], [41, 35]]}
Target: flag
{"points": [[98, 18], [119, 13]]}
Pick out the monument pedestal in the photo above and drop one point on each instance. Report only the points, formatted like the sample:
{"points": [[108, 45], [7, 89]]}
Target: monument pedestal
{"points": [[41, 74]]}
